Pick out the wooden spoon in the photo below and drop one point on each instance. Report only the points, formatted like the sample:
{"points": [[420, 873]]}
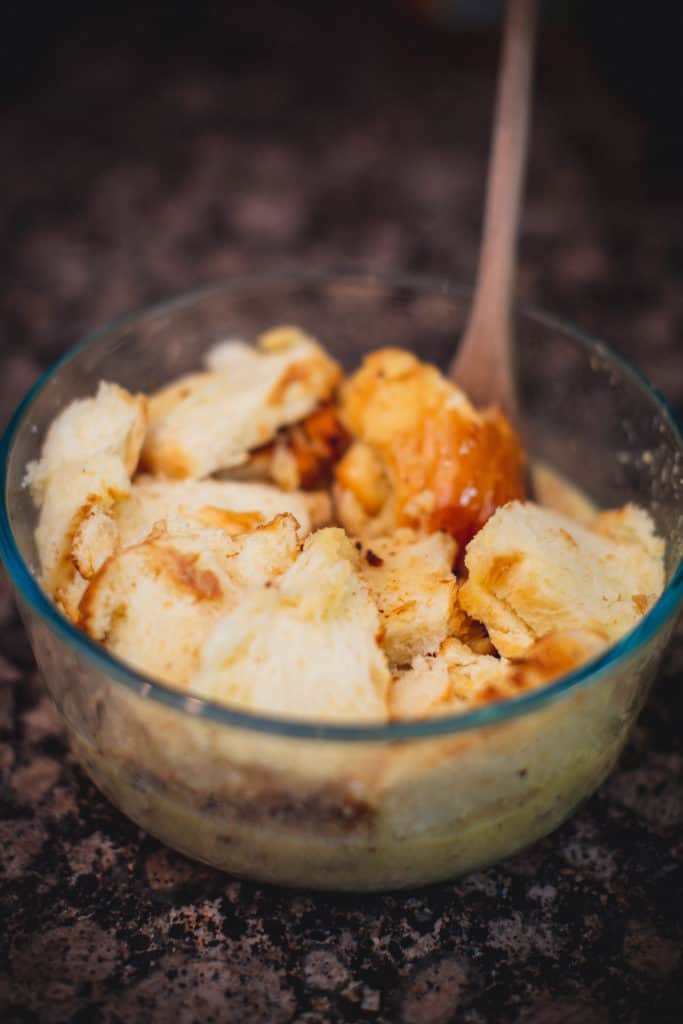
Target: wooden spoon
{"points": [[482, 366]]}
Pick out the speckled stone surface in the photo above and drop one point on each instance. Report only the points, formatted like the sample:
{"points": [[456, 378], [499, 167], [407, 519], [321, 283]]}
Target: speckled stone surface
{"points": [[131, 176]]}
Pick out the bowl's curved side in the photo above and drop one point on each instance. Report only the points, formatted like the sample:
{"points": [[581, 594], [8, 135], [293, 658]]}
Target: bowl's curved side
{"points": [[314, 814]]}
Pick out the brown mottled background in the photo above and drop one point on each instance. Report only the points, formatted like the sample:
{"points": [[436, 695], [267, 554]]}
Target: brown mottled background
{"points": [[151, 149]]}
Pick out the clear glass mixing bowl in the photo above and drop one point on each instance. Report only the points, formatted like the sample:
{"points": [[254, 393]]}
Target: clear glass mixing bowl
{"points": [[368, 807]]}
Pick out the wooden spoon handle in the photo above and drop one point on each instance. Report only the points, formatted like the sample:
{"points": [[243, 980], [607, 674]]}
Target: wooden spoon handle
{"points": [[482, 365]]}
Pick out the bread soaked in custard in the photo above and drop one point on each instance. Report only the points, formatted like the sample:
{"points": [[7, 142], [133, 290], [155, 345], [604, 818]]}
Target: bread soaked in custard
{"points": [[281, 539]]}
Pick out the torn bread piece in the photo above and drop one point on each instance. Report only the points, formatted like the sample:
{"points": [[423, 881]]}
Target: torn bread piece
{"points": [[449, 681], [533, 571], [630, 525], [469, 631], [235, 507], [76, 532], [89, 454], [364, 498], [457, 679], [554, 655], [302, 456], [112, 423], [267, 552], [412, 583], [306, 647], [305, 454], [428, 460], [154, 604], [210, 421]]}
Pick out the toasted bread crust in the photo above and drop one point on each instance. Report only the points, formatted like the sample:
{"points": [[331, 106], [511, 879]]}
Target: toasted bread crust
{"points": [[211, 421], [412, 583], [533, 571], [449, 467]]}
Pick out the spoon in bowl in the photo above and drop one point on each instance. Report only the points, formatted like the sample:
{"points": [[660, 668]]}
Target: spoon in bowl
{"points": [[482, 366]]}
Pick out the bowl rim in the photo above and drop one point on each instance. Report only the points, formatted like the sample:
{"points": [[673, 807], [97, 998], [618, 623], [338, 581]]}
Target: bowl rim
{"points": [[30, 592]]}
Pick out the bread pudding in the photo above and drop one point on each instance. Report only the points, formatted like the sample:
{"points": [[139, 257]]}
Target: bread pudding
{"points": [[275, 538]]}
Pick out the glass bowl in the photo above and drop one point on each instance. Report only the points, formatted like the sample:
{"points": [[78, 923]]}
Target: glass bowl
{"points": [[368, 807]]}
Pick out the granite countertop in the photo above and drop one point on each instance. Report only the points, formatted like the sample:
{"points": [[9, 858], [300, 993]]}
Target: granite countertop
{"points": [[133, 172]]}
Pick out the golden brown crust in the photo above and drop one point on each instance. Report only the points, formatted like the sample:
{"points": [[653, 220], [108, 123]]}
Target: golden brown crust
{"points": [[202, 584], [296, 373], [532, 571], [167, 458], [412, 583], [74, 528], [211, 421], [178, 570], [468, 630], [89, 453], [362, 473], [136, 436], [554, 655], [449, 466], [452, 680], [94, 537], [457, 678], [229, 505], [232, 522], [302, 455], [154, 603], [317, 444], [502, 566]]}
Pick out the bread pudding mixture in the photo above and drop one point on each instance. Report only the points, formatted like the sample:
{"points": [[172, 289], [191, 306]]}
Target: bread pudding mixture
{"points": [[273, 536]]}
